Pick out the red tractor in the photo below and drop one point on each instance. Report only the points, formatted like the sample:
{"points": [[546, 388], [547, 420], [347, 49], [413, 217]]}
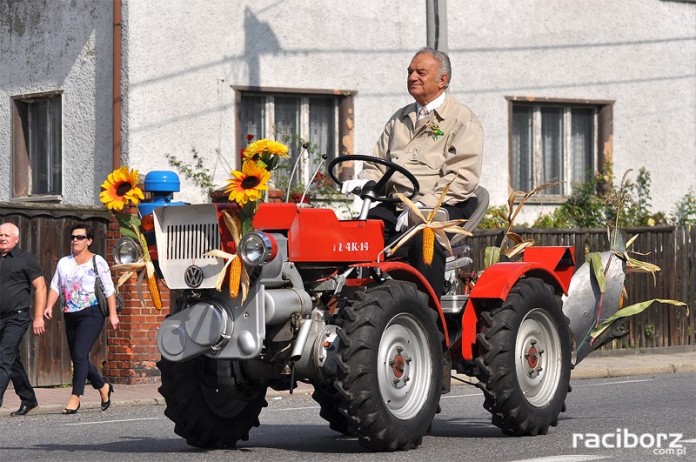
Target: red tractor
{"points": [[326, 308]]}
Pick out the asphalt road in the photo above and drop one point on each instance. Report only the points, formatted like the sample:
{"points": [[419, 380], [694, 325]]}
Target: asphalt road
{"points": [[652, 411]]}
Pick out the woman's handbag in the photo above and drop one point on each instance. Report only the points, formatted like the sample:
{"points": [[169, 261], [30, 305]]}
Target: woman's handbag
{"points": [[99, 291]]}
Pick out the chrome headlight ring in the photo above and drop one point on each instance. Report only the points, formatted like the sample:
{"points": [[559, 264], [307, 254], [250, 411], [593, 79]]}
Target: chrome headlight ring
{"points": [[126, 250], [257, 248]]}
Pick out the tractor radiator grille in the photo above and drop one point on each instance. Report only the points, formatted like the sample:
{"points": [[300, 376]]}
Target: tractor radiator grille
{"points": [[190, 241], [184, 234]]}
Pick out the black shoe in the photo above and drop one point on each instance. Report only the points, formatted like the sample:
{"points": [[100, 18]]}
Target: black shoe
{"points": [[24, 409], [71, 411], [105, 404]]}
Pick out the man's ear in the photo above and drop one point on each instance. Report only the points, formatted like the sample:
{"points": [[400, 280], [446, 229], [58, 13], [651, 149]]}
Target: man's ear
{"points": [[444, 80]]}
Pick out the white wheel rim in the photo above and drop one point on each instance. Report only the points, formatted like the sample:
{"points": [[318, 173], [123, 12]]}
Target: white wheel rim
{"points": [[538, 357], [404, 366]]}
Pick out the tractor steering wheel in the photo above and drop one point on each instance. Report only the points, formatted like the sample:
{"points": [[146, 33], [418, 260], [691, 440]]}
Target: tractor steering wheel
{"points": [[380, 187]]}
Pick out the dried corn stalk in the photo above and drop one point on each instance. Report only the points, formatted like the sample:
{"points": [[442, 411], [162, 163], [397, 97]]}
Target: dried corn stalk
{"points": [[437, 229]]}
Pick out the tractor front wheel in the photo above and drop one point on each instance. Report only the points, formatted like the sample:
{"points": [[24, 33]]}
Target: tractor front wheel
{"points": [[209, 413], [525, 359]]}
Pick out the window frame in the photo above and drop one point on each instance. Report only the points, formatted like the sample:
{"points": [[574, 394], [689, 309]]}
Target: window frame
{"points": [[603, 136], [343, 122], [21, 160]]}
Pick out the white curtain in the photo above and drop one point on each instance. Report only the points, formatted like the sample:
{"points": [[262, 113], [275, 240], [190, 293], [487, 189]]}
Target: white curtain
{"points": [[582, 149], [322, 131], [552, 146], [521, 163]]}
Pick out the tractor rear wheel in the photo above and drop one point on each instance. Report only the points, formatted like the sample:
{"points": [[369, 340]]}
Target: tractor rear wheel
{"points": [[390, 366], [525, 359], [208, 413], [329, 401]]}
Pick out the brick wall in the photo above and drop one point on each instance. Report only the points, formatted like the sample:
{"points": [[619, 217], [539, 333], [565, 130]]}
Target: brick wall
{"points": [[131, 352]]}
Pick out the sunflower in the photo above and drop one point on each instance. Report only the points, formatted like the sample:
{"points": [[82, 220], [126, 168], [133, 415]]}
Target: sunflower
{"points": [[120, 189], [265, 151], [248, 184]]}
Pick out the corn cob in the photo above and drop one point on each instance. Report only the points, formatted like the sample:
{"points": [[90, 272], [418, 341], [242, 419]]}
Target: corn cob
{"points": [[428, 245], [235, 276], [154, 290], [150, 273]]}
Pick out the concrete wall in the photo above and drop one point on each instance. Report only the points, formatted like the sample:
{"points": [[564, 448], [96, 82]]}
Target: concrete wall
{"points": [[639, 53], [49, 45], [181, 59]]}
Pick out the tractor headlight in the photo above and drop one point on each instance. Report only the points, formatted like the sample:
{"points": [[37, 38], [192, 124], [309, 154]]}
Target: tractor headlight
{"points": [[257, 248], [126, 250]]}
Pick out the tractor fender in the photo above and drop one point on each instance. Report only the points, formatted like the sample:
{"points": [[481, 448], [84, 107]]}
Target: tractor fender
{"points": [[497, 281], [404, 272]]}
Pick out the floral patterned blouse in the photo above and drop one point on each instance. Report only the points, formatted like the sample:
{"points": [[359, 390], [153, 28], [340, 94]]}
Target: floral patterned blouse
{"points": [[75, 283]]}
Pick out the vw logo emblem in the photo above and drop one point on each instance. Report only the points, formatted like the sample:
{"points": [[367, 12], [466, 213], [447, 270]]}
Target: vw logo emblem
{"points": [[193, 276]]}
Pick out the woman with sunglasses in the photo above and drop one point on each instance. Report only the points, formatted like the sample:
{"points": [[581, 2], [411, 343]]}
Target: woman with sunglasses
{"points": [[73, 282]]}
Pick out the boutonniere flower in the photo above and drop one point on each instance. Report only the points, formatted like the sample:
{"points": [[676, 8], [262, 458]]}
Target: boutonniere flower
{"points": [[434, 130]]}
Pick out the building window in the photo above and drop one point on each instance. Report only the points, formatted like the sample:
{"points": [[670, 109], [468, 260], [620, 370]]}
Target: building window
{"points": [[293, 118], [37, 146], [563, 141]]}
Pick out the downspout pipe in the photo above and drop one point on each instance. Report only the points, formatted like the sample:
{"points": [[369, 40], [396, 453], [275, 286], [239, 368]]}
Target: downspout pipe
{"points": [[116, 85], [436, 24]]}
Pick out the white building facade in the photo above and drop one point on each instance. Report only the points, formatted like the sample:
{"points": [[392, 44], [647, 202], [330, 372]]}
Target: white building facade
{"points": [[560, 87]]}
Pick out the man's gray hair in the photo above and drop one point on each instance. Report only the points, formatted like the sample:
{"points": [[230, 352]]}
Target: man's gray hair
{"points": [[14, 230], [442, 58]]}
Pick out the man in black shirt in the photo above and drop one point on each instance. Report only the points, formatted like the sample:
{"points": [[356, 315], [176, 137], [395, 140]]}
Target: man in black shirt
{"points": [[19, 271]]}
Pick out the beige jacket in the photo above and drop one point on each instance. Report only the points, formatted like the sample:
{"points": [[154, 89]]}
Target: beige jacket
{"points": [[434, 159]]}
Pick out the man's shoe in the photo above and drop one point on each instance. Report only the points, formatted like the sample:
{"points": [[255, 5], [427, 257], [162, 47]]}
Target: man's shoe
{"points": [[24, 409]]}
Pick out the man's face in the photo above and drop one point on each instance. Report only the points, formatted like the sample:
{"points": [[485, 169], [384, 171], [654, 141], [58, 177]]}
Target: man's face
{"points": [[8, 238], [423, 83]]}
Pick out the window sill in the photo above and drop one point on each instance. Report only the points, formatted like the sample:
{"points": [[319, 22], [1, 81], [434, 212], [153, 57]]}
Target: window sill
{"points": [[51, 199], [539, 199]]}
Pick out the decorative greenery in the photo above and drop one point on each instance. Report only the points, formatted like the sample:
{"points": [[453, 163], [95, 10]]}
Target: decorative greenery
{"points": [[495, 218], [196, 172], [684, 211], [321, 190], [434, 131], [594, 203], [516, 201], [649, 330], [121, 190], [627, 198]]}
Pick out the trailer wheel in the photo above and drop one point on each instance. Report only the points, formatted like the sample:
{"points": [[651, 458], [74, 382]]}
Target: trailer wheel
{"points": [[208, 414], [390, 366], [524, 359]]}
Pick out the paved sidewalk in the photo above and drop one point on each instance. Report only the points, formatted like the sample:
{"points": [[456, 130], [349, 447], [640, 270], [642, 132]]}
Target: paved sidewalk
{"points": [[597, 365]]}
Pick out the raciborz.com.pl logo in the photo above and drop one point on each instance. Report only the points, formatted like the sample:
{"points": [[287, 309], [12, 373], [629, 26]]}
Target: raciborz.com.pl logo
{"points": [[660, 444]]}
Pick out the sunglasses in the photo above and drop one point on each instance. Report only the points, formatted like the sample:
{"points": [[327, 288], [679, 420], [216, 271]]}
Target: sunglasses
{"points": [[79, 237]]}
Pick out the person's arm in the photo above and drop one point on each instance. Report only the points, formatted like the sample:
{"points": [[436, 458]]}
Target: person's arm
{"points": [[50, 301], [113, 316], [39, 284], [53, 292], [109, 288]]}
